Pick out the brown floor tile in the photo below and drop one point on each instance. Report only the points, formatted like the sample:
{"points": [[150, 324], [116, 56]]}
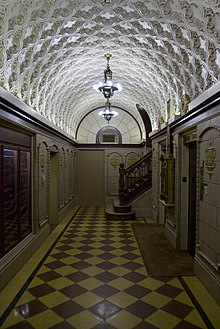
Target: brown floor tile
{"points": [[104, 309], [106, 265], [134, 277], [178, 309], [54, 265], [67, 309], [186, 325], [105, 291], [60, 255], [141, 309], [81, 265], [22, 325], [73, 291], [169, 290], [132, 265], [105, 277], [41, 290], [30, 309], [48, 276], [137, 291], [77, 276], [144, 325], [104, 325]]}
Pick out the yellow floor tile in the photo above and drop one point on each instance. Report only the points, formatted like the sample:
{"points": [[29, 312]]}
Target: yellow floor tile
{"points": [[150, 283], [119, 260], [184, 298], [53, 299], [156, 299], [87, 299], [84, 320], [25, 298], [95, 252], [12, 319], [45, 319], [65, 270], [69, 260], [119, 270], [35, 282], [124, 320], [60, 283], [93, 270], [195, 319], [90, 283], [122, 299], [121, 283], [118, 252], [163, 320]]}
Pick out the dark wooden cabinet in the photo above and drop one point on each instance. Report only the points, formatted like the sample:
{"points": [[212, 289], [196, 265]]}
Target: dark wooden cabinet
{"points": [[15, 187]]}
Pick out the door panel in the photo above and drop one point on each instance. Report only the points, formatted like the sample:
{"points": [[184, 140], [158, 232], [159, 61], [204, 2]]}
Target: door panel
{"points": [[53, 212], [10, 203], [192, 199], [90, 177], [25, 193]]}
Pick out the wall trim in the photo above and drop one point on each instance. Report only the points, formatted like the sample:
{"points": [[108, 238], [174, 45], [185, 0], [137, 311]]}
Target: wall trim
{"points": [[207, 277]]}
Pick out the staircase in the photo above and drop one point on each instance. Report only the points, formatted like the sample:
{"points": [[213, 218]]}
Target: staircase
{"points": [[133, 182]]}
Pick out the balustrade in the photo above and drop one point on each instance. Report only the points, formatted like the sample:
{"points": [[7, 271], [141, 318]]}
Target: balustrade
{"points": [[136, 179]]}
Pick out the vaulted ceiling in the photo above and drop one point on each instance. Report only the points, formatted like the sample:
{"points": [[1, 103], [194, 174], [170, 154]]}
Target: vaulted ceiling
{"points": [[52, 53]]}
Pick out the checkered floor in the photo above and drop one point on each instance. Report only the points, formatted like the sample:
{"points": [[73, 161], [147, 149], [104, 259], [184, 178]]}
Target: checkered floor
{"points": [[94, 278]]}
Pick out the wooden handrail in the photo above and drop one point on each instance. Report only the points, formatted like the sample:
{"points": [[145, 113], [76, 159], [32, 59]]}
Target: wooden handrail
{"points": [[139, 162], [134, 179]]}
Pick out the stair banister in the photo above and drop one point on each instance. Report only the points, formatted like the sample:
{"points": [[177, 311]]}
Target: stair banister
{"points": [[121, 183], [128, 178]]}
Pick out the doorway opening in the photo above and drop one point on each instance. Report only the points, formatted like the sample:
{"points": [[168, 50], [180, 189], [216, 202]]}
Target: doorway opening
{"points": [[192, 199], [53, 210]]}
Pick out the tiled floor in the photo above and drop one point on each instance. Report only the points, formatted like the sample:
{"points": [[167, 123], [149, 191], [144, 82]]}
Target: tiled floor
{"points": [[93, 277]]}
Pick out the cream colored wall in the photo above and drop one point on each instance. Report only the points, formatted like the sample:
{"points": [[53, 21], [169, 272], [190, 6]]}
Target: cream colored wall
{"points": [[207, 256], [157, 211], [124, 122], [113, 157], [208, 219], [66, 180]]}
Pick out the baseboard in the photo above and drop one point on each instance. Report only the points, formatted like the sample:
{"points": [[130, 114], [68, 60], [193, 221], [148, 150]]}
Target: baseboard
{"points": [[170, 235], [16, 258], [210, 280]]}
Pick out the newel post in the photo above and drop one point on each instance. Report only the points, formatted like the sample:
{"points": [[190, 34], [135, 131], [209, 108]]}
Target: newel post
{"points": [[121, 183]]}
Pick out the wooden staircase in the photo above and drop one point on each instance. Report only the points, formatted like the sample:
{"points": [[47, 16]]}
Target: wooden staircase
{"points": [[133, 182]]}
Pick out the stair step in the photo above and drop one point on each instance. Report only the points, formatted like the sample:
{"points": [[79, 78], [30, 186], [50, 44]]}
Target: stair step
{"points": [[121, 209], [110, 213]]}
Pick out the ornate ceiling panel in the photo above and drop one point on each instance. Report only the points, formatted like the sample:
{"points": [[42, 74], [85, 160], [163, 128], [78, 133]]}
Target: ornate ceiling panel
{"points": [[52, 54]]}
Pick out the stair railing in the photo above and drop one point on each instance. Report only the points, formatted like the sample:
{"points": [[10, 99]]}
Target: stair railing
{"points": [[135, 179]]}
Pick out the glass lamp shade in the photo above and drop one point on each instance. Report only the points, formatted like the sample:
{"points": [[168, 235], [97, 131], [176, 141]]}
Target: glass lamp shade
{"points": [[108, 114]]}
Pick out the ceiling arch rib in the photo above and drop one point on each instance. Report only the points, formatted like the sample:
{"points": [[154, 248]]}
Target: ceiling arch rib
{"points": [[52, 53]]}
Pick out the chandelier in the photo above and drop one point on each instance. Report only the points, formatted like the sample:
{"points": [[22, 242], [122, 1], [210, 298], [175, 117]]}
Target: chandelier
{"points": [[107, 87], [107, 114]]}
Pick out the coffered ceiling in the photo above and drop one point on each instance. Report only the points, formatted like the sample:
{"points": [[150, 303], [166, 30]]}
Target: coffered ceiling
{"points": [[52, 53]]}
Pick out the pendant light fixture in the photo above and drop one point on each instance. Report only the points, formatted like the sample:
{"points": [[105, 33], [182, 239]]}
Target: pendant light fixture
{"points": [[108, 114], [107, 87]]}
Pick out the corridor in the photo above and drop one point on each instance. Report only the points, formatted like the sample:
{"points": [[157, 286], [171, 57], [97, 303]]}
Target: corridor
{"points": [[89, 274]]}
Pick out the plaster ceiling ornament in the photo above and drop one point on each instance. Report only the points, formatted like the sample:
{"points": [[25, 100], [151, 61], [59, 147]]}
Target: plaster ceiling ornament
{"points": [[50, 54]]}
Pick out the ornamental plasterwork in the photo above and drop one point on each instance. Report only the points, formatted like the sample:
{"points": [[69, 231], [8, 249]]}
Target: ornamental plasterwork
{"points": [[51, 54]]}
